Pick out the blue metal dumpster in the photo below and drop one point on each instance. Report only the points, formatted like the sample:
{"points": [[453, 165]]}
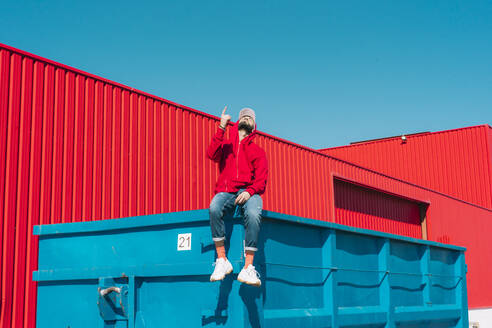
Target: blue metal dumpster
{"points": [[153, 271]]}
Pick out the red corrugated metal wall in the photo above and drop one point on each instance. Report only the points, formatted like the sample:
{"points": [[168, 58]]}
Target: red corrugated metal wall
{"points": [[489, 143], [471, 227], [455, 162], [78, 147], [363, 207]]}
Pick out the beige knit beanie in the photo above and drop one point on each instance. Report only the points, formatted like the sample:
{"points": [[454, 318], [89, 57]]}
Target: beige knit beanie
{"points": [[247, 112]]}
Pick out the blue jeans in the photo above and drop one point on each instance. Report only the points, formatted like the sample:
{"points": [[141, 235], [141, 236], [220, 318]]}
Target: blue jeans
{"points": [[223, 203]]}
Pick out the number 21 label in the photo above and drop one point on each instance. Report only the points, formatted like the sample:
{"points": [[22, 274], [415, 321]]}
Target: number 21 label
{"points": [[184, 242]]}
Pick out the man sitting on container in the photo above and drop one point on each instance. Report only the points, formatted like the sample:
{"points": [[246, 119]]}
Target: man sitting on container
{"points": [[243, 175]]}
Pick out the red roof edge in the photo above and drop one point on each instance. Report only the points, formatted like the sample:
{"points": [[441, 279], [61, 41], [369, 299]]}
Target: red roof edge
{"points": [[488, 141], [414, 135], [95, 77], [388, 138]]}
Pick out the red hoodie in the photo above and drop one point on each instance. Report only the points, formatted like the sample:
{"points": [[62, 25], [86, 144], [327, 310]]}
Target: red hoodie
{"points": [[241, 165]]}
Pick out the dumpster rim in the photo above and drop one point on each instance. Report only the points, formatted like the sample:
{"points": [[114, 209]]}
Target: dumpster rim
{"points": [[201, 215]]}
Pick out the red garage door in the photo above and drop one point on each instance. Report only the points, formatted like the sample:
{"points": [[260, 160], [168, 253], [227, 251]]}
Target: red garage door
{"points": [[367, 208]]}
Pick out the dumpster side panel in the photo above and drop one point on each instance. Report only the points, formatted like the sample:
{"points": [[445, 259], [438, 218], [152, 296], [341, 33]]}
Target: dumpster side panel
{"points": [[129, 273], [301, 248], [58, 310]]}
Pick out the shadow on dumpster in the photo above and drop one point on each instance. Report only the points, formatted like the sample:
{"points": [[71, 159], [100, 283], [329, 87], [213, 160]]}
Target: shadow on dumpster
{"points": [[254, 298]]}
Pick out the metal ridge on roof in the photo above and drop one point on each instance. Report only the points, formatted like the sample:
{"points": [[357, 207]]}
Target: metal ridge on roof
{"points": [[414, 135], [387, 138]]}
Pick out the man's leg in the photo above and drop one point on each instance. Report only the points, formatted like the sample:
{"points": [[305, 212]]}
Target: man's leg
{"points": [[252, 221], [220, 204]]}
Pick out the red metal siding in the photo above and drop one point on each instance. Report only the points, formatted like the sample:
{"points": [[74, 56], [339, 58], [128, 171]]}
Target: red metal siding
{"points": [[489, 154], [76, 147], [454, 162], [471, 227], [366, 208]]}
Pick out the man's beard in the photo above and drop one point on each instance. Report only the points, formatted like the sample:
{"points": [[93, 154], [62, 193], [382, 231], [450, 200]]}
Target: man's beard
{"points": [[244, 126]]}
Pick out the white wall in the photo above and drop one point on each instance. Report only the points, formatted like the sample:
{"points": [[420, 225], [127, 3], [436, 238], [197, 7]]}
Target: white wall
{"points": [[482, 316]]}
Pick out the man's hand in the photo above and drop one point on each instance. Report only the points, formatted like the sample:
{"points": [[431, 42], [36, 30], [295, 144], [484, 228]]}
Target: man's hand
{"points": [[224, 118], [242, 198]]}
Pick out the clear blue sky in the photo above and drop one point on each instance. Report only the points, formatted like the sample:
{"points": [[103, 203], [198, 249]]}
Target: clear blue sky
{"points": [[320, 74]]}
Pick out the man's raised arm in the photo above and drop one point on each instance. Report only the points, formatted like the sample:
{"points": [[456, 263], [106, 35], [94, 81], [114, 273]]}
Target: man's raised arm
{"points": [[214, 150]]}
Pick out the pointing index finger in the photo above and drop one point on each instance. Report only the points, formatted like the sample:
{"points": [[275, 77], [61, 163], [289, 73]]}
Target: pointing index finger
{"points": [[223, 112]]}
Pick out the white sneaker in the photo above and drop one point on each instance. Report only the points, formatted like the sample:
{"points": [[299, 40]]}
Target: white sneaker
{"points": [[222, 267], [249, 276]]}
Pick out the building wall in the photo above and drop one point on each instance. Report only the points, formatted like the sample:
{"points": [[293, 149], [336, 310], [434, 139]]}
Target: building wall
{"points": [[76, 147], [454, 162], [489, 143]]}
